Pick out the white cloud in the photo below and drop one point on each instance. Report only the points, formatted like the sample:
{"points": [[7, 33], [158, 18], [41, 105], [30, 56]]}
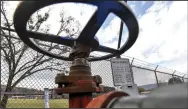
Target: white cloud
{"points": [[107, 35], [169, 34], [163, 37]]}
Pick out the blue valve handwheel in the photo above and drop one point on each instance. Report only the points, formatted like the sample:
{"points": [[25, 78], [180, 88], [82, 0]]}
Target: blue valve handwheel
{"points": [[26, 8]]}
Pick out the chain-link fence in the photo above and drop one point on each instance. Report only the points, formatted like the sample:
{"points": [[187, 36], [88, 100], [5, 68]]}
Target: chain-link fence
{"points": [[23, 88], [29, 93], [25, 75]]}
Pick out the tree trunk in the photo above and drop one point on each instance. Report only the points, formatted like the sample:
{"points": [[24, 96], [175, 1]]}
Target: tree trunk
{"points": [[4, 100], [9, 88]]}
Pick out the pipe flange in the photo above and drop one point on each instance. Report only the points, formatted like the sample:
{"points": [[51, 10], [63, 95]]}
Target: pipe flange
{"points": [[103, 100]]}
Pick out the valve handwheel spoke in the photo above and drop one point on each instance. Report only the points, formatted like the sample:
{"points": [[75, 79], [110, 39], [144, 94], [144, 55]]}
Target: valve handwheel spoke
{"points": [[106, 49], [86, 37], [93, 25], [51, 38]]}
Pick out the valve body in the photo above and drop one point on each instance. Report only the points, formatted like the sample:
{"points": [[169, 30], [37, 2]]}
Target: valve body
{"points": [[79, 84]]}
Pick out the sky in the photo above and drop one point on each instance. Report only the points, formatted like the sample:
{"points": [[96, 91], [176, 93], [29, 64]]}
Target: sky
{"points": [[163, 33], [162, 37]]}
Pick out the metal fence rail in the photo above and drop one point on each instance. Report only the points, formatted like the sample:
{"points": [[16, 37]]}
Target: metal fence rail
{"points": [[29, 92]]}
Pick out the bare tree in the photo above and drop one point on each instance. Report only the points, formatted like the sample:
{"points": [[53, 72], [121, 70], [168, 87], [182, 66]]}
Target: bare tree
{"points": [[175, 80], [13, 50]]}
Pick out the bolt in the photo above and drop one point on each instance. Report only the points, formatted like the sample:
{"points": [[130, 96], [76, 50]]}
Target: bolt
{"points": [[97, 79], [60, 85]]}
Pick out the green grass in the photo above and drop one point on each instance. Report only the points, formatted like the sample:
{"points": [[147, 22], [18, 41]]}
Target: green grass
{"points": [[36, 103]]}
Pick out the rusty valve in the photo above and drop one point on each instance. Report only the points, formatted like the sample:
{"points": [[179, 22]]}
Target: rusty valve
{"points": [[79, 84], [79, 80]]}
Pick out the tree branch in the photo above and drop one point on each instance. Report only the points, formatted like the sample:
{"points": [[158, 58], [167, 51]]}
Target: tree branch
{"points": [[9, 41], [37, 63]]}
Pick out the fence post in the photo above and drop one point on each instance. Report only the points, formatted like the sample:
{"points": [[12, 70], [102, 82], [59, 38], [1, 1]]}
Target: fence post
{"points": [[156, 76], [173, 75], [0, 87], [46, 97], [132, 70], [51, 92], [132, 62]]}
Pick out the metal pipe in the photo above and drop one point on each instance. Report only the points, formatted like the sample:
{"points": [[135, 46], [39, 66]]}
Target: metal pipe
{"points": [[79, 100], [126, 102], [172, 96]]}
